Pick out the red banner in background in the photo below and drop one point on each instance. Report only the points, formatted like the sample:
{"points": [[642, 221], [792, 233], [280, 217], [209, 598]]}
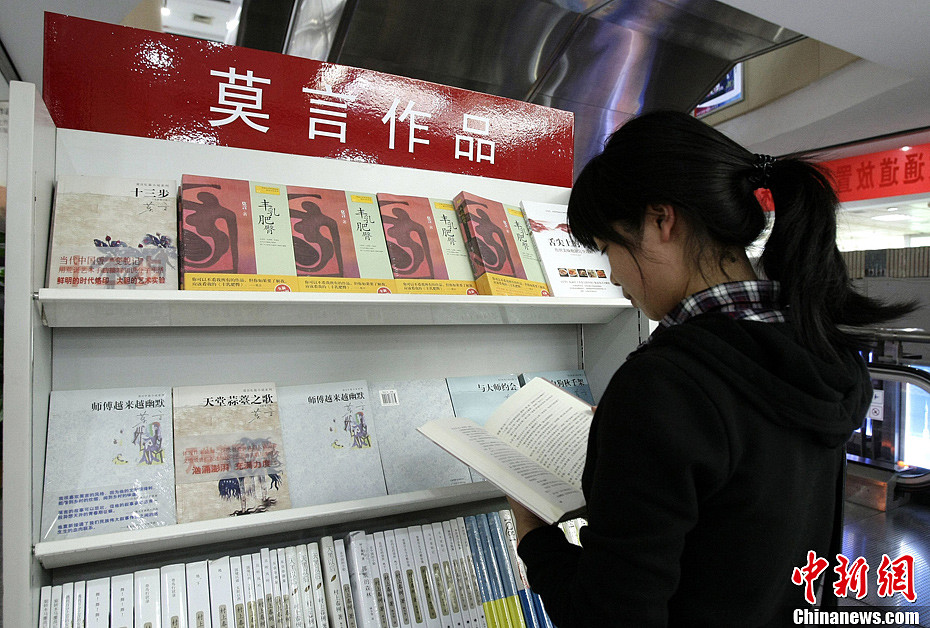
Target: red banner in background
{"points": [[889, 173], [116, 79]]}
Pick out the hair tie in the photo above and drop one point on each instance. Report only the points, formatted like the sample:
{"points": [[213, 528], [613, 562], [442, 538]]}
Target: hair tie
{"points": [[762, 168]]}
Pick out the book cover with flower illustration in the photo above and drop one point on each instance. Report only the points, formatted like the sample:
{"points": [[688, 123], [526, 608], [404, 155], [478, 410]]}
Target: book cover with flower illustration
{"points": [[109, 462], [114, 233], [229, 458], [332, 429]]}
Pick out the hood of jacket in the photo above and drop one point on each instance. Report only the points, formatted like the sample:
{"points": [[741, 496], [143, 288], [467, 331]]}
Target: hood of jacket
{"points": [[787, 383]]}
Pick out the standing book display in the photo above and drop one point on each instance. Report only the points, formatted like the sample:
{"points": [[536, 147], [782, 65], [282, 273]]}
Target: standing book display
{"points": [[91, 124]]}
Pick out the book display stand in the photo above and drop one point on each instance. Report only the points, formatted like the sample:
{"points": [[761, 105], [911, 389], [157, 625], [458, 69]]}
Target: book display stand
{"points": [[65, 339]]}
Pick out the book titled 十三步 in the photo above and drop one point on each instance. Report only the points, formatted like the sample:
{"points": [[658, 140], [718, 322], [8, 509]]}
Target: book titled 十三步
{"points": [[228, 452], [528, 254], [532, 448], [411, 463], [571, 270], [339, 243], [109, 463], [235, 235], [492, 250], [332, 425], [112, 232]]}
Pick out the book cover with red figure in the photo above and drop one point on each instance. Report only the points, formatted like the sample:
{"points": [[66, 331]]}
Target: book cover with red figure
{"points": [[490, 243], [412, 239], [322, 232], [216, 226]]}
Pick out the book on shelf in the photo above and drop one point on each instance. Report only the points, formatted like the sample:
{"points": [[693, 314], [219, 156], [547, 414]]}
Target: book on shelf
{"points": [[237, 584], [532, 447], [385, 579], [114, 233], [475, 397], [230, 461], [235, 235], [332, 427], [460, 576], [459, 534], [423, 574], [411, 463], [505, 599], [361, 577], [455, 254], [342, 563], [332, 587], [109, 462], [67, 604], [571, 270], [509, 530], [45, 607], [444, 589], [174, 595], [55, 610], [339, 244], [122, 593], [147, 602], [513, 602], [98, 603], [270, 587], [492, 249], [249, 590], [198, 594], [412, 239], [221, 597], [277, 608], [80, 603], [520, 229], [413, 590], [284, 583], [493, 610], [398, 578], [318, 591], [305, 586], [574, 381]]}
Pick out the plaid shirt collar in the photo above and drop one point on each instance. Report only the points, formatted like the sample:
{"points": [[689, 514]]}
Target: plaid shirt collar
{"points": [[756, 300]]}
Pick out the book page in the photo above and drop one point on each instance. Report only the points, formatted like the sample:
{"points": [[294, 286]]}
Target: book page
{"points": [[548, 425], [538, 489]]}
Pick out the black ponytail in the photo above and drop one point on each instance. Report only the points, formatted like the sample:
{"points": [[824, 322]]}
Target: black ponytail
{"points": [[672, 158]]}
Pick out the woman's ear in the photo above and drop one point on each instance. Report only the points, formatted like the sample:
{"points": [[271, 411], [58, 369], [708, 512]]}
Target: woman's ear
{"points": [[664, 218]]}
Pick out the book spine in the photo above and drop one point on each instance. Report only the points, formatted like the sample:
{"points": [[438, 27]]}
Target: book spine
{"points": [[258, 580], [45, 607], [279, 573], [523, 584], [318, 588], [424, 578], [80, 603], [541, 611], [345, 582], [334, 601], [408, 570], [507, 570], [198, 595], [277, 595], [438, 550], [397, 578], [460, 573], [479, 559], [305, 584], [294, 606], [508, 606], [147, 602], [460, 536], [98, 603], [67, 604], [268, 580], [238, 592], [360, 577], [221, 598], [434, 566], [248, 588], [387, 586], [55, 608], [173, 596]]}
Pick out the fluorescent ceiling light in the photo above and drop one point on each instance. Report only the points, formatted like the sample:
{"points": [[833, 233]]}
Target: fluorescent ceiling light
{"points": [[891, 217]]}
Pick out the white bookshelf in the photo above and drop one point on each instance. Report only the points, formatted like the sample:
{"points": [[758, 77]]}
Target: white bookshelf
{"points": [[83, 339]]}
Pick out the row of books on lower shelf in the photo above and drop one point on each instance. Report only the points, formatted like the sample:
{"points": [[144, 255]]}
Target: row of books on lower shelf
{"points": [[229, 234], [896, 263], [125, 459], [457, 573]]}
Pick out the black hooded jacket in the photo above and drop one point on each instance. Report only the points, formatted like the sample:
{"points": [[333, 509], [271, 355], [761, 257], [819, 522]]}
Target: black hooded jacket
{"points": [[711, 471]]}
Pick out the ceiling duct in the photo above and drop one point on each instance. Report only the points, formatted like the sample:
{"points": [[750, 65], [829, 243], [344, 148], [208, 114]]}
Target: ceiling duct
{"points": [[603, 61]]}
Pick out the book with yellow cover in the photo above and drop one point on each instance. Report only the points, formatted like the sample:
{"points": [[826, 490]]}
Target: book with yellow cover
{"points": [[235, 235]]}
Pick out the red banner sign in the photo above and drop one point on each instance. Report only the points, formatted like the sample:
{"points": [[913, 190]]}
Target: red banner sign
{"points": [[115, 79], [880, 175]]}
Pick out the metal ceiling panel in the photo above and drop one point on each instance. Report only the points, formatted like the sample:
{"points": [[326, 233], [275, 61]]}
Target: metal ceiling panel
{"points": [[604, 60]]}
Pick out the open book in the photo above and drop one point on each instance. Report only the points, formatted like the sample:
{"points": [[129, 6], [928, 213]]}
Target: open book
{"points": [[532, 447]]}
